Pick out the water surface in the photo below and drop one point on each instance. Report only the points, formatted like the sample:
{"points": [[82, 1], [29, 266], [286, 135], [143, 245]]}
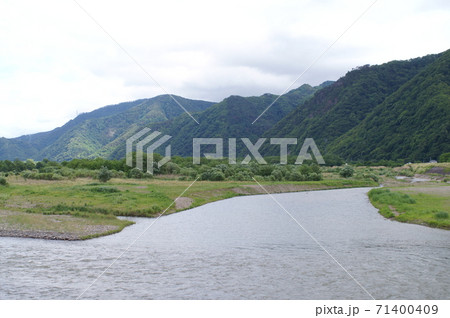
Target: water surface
{"points": [[241, 248]]}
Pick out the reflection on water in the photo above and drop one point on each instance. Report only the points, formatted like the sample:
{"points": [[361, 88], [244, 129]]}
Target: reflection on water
{"points": [[241, 248]]}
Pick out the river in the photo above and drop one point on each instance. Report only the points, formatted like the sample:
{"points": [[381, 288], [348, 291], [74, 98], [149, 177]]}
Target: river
{"points": [[241, 248]]}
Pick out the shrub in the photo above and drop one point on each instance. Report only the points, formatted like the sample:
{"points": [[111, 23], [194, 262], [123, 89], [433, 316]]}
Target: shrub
{"points": [[347, 172], [296, 176], [104, 175], [445, 157], [314, 177], [276, 175], [315, 168], [242, 176], [170, 168], [387, 197], [371, 176], [441, 215], [406, 172], [213, 175], [41, 176], [135, 173], [3, 182], [265, 170], [305, 170], [188, 172], [104, 189]]}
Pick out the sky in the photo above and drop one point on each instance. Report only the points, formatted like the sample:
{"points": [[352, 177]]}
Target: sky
{"points": [[65, 57]]}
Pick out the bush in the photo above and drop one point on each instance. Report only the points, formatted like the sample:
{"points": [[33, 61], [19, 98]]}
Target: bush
{"points": [[242, 176], [135, 173], [347, 172], [387, 197], [407, 172], [170, 168], [445, 157], [314, 177], [41, 176], [441, 215], [188, 172], [3, 182], [296, 176], [265, 170], [276, 175], [104, 175], [213, 175], [371, 176], [104, 189]]}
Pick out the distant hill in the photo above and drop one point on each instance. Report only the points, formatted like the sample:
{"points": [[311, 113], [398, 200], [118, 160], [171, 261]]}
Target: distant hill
{"points": [[99, 132]]}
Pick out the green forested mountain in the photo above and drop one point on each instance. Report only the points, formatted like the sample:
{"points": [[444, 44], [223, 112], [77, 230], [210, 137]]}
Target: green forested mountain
{"points": [[233, 117], [338, 108], [397, 110], [97, 133], [413, 123]]}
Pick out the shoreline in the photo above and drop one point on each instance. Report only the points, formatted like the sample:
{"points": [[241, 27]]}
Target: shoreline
{"points": [[57, 236], [40, 235]]}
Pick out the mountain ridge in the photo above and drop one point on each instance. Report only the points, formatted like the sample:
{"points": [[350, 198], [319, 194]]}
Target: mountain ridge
{"points": [[89, 133], [361, 116]]}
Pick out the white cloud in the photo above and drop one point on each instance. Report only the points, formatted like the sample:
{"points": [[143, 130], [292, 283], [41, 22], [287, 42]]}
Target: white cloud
{"points": [[56, 62]]}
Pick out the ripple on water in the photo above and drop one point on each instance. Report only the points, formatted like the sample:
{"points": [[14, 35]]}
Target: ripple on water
{"points": [[241, 248]]}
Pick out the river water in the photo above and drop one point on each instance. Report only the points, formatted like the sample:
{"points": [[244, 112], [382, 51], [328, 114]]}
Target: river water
{"points": [[241, 248]]}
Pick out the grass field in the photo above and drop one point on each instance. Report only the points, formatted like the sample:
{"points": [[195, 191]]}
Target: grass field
{"points": [[126, 197], [427, 205]]}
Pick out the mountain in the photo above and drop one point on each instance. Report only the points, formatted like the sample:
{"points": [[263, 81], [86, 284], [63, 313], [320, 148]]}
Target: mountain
{"points": [[413, 123], [103, 132], [233, 118], [358, 115], [99, 132], [399, 110]]}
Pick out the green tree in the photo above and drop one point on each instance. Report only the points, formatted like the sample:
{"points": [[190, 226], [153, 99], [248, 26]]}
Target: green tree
{"points": [[135, 173], [104, 175]]}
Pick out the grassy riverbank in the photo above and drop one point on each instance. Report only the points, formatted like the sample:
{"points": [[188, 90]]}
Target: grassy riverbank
{"points": [[84, 208], [81, 208], [58, 227], [427, 205]]}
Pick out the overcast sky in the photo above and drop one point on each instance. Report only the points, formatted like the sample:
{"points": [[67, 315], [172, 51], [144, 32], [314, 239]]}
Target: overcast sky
{"points": [[56, 62]]}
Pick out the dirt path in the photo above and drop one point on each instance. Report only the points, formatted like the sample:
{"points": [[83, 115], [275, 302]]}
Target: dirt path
{"points": [[183, 203]]}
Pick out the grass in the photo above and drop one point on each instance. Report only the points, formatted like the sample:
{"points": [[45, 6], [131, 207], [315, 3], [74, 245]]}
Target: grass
{"points": [[421, 168], [420, 205]]}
